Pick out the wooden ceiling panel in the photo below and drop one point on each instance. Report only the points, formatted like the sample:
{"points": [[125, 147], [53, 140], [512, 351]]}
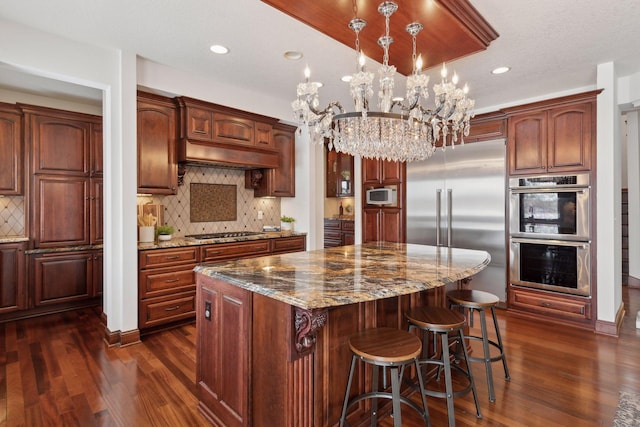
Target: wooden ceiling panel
{"points": [[452, 28]]}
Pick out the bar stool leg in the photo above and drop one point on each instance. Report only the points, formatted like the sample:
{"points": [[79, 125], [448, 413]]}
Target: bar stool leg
{"points": [[471, 379], [343, 417], [374, 404], [487, 355], [447, 378], [504, 358], [395, 392]]}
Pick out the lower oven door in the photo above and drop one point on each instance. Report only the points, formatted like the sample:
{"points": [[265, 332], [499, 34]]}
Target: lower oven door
{"points": [[554, 265]]}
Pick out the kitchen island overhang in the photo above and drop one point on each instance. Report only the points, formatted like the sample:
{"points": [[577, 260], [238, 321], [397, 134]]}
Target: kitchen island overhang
{"points": [[272, 331]]}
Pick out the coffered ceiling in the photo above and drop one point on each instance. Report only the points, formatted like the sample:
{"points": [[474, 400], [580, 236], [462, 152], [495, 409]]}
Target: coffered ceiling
{"points": [[452, 28]]}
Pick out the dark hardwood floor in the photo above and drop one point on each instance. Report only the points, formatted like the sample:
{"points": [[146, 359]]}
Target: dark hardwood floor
{"points": [[56, 371]]}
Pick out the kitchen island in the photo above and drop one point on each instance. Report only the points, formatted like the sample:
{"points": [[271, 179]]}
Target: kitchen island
{"points": [[272, 331]]}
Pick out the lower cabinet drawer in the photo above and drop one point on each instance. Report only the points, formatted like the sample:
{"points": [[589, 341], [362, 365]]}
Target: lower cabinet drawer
{"points": [[544, 303], [161, 310], [157, 282], [289, 244]]}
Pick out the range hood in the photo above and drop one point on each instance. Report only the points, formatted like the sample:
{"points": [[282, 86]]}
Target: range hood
{"points": [[222, 136]]}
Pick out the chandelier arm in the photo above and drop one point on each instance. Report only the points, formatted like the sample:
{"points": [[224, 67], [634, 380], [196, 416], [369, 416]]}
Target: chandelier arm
{"points": [[327, 109]]}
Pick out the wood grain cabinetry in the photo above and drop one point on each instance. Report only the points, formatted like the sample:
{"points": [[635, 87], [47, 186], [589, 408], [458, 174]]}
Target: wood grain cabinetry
{"points": [[550, 305], [157, 138], [166, 281], [338, 232], [384, 223], [339, 174], [66, 179], [288, 244], [224, 327], [217, 134], [11, 150], [280, 181], [166, 286], [64, 277], [12, 279], [553, 136]]}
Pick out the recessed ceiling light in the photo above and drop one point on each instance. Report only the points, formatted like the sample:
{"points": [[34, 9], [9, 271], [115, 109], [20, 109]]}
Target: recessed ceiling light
{"points": [[219, 49], [293, 55], [346, 78], [500, 70]]}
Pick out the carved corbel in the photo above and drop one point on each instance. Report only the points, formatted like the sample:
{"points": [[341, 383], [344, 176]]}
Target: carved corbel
{"points": [[306, 326]]}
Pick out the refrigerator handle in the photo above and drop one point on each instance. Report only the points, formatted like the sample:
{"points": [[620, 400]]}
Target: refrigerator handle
{"points": [[449, 217], [438, 215]]}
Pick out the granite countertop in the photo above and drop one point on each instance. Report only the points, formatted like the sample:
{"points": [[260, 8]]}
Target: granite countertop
{"points": [[13, 239], [349, 274], [178, 242]]}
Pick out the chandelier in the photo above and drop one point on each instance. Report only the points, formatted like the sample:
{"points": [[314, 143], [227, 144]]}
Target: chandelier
{"points": [[403, 130]]}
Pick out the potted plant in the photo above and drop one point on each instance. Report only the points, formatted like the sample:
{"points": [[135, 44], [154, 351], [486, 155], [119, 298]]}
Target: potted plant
{"points": [[286, 223], [164, 232]]}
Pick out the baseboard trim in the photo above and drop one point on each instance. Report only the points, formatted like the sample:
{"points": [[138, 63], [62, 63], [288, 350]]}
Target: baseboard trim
{"points": [[611, 328], [121, 339]]}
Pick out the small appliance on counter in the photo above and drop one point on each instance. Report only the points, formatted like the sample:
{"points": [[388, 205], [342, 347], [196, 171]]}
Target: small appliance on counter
{"points": [[270, 228]]}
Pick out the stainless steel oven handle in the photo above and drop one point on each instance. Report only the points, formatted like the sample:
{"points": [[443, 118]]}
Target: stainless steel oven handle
{"points": [[538, 190], [581, 245]]}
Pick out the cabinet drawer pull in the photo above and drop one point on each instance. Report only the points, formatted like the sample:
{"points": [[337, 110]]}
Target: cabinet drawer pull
{"points": [[213, 252], [546, 304], [172, 308], [171, 258], [172, 280]]}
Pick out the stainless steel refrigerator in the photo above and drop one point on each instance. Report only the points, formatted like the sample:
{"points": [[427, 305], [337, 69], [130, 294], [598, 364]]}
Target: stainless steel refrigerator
{"points": [[462, 189]]}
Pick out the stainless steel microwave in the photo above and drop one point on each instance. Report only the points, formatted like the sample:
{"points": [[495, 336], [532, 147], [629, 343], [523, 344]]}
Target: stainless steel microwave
{"points": [[382, 196]]}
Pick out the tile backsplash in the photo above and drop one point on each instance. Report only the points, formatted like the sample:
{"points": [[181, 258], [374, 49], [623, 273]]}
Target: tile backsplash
{"points": [[177, 208], [12, 216]]}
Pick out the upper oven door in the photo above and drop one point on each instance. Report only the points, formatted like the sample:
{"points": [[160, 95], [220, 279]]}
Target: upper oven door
{"points": [[550, 213]]}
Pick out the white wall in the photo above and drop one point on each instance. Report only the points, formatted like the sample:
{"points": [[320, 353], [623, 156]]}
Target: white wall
{"points": [[633, 186]]}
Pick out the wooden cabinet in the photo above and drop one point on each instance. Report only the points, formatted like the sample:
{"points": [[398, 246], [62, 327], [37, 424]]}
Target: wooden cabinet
{"points": [[567, 308], [213, 133], [62, 277], [166, 286], [224, 328], [166, 281], [157, 138], [11, 151], [556, 136], [280, 181], [338, 232], [12, 277], [385, 223], [339, 174], [229, 251], [61, 211], [288, 244]]}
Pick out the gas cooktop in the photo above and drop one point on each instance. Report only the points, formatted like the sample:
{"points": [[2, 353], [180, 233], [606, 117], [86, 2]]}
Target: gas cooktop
{"points": [[222, 235]]}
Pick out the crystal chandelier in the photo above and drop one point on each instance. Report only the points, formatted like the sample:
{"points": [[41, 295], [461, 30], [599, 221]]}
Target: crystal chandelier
{"points": [[403, 130]]}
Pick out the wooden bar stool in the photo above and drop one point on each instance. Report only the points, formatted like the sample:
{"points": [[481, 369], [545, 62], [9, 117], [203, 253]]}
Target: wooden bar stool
{"points": [[474, 300], [445, 324], [388, 348]]}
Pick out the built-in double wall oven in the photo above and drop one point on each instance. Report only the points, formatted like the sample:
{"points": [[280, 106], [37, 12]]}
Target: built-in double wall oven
{"points": [[550, 233]]}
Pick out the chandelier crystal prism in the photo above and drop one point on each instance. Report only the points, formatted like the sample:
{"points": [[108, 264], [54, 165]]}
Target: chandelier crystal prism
{"points": [[402, 130]]}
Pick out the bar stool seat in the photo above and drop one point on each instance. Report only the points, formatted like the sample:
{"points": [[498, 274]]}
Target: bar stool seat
{"points": [[445, 324], [479, 301], [387, 348]]}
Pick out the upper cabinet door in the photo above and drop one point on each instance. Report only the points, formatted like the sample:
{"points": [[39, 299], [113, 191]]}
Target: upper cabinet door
{"points": [[60, 145], [570, 138], [157, 166], [11, 152], [233, 130], [528, 143]]}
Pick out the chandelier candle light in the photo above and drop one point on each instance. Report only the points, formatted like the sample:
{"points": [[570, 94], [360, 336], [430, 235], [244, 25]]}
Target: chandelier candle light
{"points": [[410, 134]]}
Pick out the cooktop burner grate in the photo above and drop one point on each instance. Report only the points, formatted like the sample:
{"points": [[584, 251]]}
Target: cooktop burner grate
{"points": [[222, 235]]}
